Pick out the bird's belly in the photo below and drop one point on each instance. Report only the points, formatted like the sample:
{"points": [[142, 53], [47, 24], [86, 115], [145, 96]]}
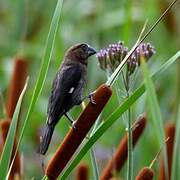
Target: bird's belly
{"points": [[71, 101]]}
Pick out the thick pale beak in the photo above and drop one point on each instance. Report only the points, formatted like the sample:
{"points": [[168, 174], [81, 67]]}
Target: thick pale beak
{"points": [[91, 51]]}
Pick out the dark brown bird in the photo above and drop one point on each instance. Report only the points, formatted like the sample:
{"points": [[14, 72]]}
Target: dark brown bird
{"points": [[67, 89]]}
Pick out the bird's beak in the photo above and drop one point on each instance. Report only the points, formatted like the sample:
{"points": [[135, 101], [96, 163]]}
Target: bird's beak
{"points": [[91, 51]]}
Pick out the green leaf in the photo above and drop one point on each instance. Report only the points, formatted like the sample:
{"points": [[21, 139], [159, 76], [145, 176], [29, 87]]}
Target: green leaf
{"points": [[154, 110], [45, 178], [8, 147], [44, 66], [153, 103], [92, 154], [115, 116], [94, 164]]}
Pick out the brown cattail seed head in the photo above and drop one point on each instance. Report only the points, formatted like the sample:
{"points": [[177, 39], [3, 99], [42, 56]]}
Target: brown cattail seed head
{"points": [[16, 85], [4, 128], [170, 133], [145, 174], [82, 172], [75, 136], [120, 156]]}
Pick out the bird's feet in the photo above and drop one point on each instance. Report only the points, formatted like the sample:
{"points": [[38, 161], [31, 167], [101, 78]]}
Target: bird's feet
{"points": [[71, 121], [90, 96], [74, 126]]}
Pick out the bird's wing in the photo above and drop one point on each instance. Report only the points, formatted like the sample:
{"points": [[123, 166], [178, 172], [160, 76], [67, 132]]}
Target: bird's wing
{"points": [[65, 82]]}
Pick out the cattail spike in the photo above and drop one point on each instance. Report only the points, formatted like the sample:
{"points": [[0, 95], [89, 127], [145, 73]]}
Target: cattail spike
{"points": [[16, 85], [75, 136], [170, 133], [120, 156], [82, 172], [145, 174]]}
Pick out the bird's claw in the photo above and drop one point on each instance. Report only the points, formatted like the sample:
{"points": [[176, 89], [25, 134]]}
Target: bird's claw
{"points": [[73, 125], [90, 96]]}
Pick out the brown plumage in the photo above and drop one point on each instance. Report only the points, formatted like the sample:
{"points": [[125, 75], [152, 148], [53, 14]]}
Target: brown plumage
{"points": [[67, 88]]}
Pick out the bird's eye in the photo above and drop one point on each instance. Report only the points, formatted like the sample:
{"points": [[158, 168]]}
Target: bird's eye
{"points": [[84, 47]]}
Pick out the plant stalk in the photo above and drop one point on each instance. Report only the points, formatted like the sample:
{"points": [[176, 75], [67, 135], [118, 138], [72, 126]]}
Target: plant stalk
{"points": [[130, 146], [92, 154], [130, 138], [94, 165]]}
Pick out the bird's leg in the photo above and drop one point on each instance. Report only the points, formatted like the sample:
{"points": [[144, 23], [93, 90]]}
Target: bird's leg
{"points": [[90, 97], [42, 163], [70, 119]]}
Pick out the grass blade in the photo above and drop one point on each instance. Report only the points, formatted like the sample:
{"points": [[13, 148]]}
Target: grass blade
{"points": [[7, 150], [153, 103], [154, 110], [94, 164], [45, 178], [114, 116], [44, 66], [176, 157]]}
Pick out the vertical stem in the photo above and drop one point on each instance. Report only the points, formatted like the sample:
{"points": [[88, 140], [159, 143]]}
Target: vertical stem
{"points": [[130, 147], [94, 165], [177, 99], [92, 154], [130, 143]]}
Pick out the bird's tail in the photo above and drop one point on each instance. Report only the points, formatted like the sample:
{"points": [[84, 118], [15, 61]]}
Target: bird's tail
{"points": [[46, 139]]}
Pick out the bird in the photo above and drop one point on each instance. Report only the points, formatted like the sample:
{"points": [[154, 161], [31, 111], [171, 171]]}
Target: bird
{"points": [[67, 89]]}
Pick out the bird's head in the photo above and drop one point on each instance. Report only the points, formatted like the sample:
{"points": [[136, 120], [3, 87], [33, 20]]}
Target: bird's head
{"points": [[80, 53]]}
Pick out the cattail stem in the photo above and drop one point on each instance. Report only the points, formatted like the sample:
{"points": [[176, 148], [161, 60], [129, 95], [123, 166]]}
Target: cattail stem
{"points": [[16, 85], [120, 156], [82, 172], [75, 136], [170, 133], [130, 145], [145, 173], [16, 168], [94, 164]]}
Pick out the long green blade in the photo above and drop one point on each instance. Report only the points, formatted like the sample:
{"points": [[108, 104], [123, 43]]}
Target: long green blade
{"points": [[176, 156], [153, 103], [44, 66], [114, 116], [154, 110]]}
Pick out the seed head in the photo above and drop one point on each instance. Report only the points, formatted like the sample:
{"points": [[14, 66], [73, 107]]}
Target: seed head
{"points": [[109, 58]]}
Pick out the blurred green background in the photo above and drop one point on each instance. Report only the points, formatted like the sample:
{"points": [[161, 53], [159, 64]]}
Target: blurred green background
{"points": [[24, 25]]}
